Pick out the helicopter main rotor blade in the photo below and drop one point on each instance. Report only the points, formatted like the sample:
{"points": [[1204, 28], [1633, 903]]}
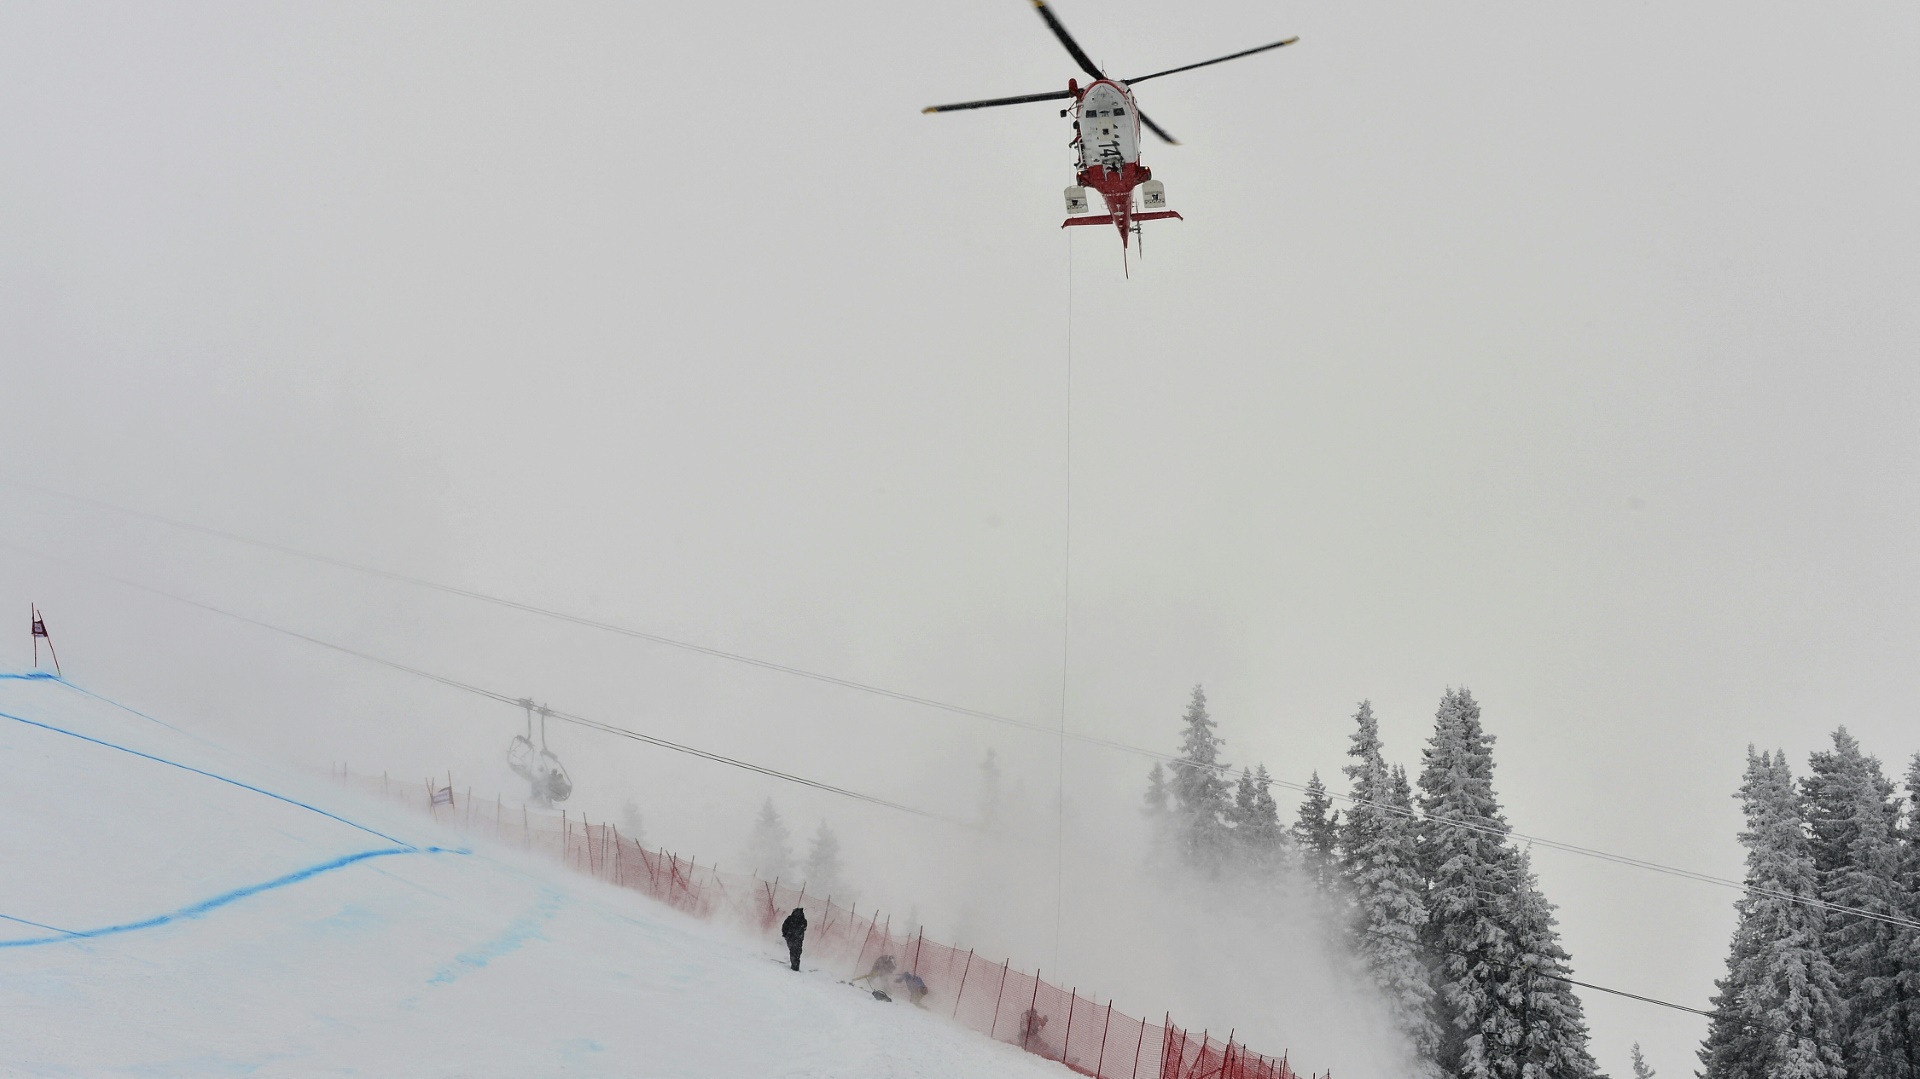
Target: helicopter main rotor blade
{"points": [[1055, 95], [1156, 128], [1206, 63], [1073, 47]]}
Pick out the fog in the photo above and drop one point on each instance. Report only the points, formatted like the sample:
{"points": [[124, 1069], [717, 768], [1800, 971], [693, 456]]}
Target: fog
{"points": [[1564, 354]]}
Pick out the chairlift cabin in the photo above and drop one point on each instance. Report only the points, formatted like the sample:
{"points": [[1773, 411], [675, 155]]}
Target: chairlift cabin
{"points": [[547, 779]]}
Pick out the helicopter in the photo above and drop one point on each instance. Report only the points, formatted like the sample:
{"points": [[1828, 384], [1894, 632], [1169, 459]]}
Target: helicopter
{"points": [[544, 773], [1106, 138]]}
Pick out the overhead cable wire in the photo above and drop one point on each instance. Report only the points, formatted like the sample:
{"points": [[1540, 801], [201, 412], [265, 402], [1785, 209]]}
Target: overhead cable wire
{"points": [[468, 687], [1535, 972], [1169, 759]]}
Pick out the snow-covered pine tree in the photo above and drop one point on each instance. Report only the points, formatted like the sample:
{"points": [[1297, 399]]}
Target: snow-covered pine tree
{"points": [[1259, 840], [1640, 1068], [1553, 1039], [769, 846], [1909, 876], [1154, 802], [1778, 1008], [1316, 831], [632, 824], [1487, 925], [1854, 822], [1380, 865], [822, 871], [990, 808], [1200, 790]]}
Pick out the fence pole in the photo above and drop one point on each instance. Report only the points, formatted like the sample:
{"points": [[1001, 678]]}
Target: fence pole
{"points": [[918, 941], [1073, 998], [1139, 1044], [995, 1025], [616, 853], [1026, 1021], [1166, 1048], [867, 941], [964, 971], [1105, 1029]]}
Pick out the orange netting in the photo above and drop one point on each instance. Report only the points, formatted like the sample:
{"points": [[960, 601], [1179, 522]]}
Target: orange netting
{"points": [[993, 998]]}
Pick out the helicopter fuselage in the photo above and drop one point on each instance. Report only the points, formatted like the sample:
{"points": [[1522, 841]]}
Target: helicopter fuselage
{"points": [[1107, 146]]}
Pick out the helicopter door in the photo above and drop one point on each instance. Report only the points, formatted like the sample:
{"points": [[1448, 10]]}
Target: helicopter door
{"points": [[1109, 127]]}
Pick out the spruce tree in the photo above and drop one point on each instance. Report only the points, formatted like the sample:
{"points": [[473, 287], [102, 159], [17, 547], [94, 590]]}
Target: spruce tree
{"points": [[632, 824], [1472, 872], [1777, 1011], [1200, 796], [1380, 865], [1259, 841], [1316, 830], [1490, 931], [769, 846], [989, 809], [1854, 823], [1154, 802], [1640, 1069], [1552, 1035], [822, 871]]}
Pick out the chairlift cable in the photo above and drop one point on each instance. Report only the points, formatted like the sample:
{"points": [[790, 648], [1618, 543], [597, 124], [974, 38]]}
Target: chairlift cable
{"points": [[454, 683], [1168, 759]]}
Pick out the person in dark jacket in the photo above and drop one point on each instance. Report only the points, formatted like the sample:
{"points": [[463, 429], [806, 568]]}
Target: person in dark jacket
{"points": [[794, 929]]}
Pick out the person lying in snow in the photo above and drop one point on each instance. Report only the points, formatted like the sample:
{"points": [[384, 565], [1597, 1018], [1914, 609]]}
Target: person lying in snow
{"points": [[1031, 1024], [794, 929], [882, 967], [916, 989]]}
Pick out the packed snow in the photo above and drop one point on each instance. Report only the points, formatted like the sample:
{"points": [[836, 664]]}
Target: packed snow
{"points": [[173, 908]]}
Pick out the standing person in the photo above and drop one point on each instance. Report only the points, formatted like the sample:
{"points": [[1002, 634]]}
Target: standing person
{"points": [[794, 929]]}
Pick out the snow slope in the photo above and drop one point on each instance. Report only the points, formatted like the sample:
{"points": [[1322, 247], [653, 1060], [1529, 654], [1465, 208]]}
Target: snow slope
{"points": [[170, 908]]}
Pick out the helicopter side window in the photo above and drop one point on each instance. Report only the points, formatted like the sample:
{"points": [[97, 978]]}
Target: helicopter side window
{"points": [[1119, 112]]}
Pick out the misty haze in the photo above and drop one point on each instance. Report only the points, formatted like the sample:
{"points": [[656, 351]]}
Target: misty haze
{"points": [[594, 539]]}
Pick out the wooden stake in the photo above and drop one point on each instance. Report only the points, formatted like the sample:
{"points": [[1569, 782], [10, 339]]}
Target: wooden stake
{"points": [[1105, 1029], [995, 1025], [964, 971]]}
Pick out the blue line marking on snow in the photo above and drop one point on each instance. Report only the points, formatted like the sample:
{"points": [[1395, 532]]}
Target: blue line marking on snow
{"points": [[517, 933], [36, 925], [209, 775], [32, 676], [205, 905], [134, 711]]}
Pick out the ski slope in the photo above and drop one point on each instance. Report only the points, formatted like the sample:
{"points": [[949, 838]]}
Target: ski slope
{"points": [[171, 908]]}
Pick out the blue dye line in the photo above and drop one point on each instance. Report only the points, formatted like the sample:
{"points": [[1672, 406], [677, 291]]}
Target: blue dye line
{"points": [[202, 772], [222, 900], [134, 711], [36, 925]]}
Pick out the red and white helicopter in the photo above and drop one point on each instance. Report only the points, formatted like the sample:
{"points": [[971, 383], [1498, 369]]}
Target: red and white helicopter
{"points": [[1106, 138]]}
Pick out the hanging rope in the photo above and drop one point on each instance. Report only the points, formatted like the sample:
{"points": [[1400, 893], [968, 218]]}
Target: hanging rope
{"points": [[1066, 640]]}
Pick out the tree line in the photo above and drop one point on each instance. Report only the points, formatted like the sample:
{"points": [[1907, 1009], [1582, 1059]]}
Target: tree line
{"points": [[1432, 896], [1441, 908], [1823, 976]]}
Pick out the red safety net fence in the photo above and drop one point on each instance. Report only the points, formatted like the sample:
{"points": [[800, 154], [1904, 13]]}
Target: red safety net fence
{"points": [[995, 999]]}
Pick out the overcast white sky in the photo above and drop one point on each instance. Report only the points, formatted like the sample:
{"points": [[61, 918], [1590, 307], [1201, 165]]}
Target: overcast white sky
{"points": [[1565, 352]]}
